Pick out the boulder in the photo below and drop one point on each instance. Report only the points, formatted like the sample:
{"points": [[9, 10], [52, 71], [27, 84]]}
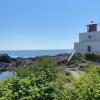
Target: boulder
{"points": [[5, 58]]}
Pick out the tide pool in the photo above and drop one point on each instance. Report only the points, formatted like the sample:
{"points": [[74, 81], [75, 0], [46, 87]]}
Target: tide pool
{"points": [[6, 74]]}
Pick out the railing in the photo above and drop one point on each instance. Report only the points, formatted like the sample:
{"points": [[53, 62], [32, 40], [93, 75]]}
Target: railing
{"points": [[71, 55]]}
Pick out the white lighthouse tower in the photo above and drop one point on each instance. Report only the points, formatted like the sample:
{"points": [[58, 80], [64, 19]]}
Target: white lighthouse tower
{"points": [[89, 41]]}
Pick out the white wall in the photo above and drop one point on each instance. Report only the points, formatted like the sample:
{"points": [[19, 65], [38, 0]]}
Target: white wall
{"points": [[84, 42], [81, 47], [95, 36]]}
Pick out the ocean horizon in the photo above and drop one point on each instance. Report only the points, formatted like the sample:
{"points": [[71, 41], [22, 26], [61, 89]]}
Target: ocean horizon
{"points": [[34, 53]]}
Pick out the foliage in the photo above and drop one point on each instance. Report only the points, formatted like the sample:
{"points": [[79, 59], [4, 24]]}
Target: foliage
{"points": [[92, 57], [87, 87], [21, 71], [44, 67], [77, 58], [32, 88], [42, 82]]}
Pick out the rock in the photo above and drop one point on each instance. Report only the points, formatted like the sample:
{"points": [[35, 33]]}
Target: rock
{"points": [[4, 65], [24, 61], [69, 71], [61, 58], [7, 61], [5, 58]]}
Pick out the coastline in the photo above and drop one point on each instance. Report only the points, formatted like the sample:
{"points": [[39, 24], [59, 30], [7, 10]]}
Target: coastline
{"points": [[7, 62]]}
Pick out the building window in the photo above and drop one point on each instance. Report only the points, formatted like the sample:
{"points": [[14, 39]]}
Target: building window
{"points": [[89, 37]]}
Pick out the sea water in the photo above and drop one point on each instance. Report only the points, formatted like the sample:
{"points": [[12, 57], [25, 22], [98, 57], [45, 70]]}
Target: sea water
{"points": [[34, 53], [6, 74]]}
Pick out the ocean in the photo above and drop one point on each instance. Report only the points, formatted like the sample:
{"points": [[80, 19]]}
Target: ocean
{"points": [[34, 53]]}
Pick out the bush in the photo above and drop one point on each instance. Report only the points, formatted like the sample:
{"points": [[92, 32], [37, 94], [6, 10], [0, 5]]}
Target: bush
{"points": [[43, 83], [44, 67], [92, 57], [77, 58], [87, 87]]}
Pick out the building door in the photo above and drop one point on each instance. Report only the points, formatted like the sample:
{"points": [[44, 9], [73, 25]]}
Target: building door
{"points": [[89, 48]]}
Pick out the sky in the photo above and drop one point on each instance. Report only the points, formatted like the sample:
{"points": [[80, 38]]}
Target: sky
{"points": [[45, 24]]}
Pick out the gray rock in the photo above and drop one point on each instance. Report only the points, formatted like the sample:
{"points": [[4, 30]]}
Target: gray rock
{"points": [[5, 58]]}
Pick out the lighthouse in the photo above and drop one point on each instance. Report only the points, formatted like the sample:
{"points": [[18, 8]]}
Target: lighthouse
{"points": [[89, 41]]}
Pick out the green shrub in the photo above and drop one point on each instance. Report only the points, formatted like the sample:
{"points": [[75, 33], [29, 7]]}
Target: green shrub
{"points": [[92, 57], [42, 82], [87, 87], [44, 67]]}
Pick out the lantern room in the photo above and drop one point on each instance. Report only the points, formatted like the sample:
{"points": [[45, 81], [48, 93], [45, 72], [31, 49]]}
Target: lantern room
{"points": [[92, 27]]}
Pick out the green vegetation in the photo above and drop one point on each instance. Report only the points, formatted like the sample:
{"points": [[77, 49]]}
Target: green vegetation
{"points": [[44, 67], [93, 57], [41, 81]]}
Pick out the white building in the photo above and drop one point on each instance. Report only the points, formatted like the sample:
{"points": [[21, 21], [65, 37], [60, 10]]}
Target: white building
{"points": [[88, 41]]}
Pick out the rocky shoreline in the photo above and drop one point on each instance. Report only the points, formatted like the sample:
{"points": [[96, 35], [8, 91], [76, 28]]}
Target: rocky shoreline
{"points": [[78, 61], [6, 61]]}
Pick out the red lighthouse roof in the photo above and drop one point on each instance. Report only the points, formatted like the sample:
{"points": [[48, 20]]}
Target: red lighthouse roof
{"points": [[92, 27]]}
